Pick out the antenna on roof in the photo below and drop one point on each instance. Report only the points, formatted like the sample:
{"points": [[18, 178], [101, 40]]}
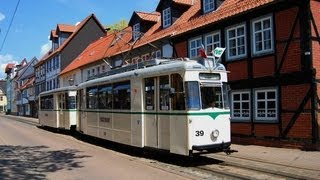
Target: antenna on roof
{"points": [[104, 59]]}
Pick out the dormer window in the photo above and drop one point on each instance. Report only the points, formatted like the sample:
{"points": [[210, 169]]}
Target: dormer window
{"points": [[208, 6], [166, 17], [136, 31]]}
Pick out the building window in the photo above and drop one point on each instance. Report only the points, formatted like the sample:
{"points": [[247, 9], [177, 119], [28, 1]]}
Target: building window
{"points": [[262, 35], [53, 83], [1, 98], [145, 57], [194, 47], [211, 42], [240, 105], [236, 42], [57, 83], [136, 31], [208, 6], [166, 17], [156, 54], [266, 101]]}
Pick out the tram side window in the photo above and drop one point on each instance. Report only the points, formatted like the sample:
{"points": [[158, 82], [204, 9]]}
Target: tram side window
{"points": [[105, 97], [46, 102], [164, 93], [92, 98], [193, 95], [149, 93], [178, 102], [62, 100], [70, 101], [121, 95], [211, 97]]}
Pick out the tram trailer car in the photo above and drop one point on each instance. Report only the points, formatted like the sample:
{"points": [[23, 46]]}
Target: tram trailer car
{"points": [[58, 108], [178, 106]]}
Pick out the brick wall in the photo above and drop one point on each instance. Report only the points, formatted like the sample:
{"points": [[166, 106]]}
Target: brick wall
{"points": [[315, 10], [269, 130], [241, 128], [302, 128], [293, 95], [238, 70], [263, 66], [284, 21]]}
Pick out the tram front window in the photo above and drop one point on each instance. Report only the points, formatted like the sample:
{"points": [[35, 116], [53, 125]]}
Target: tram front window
{"points": [[211, 97]]}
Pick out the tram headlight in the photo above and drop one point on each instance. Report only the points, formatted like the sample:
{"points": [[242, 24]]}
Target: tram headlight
{"points": [[214, 135]]}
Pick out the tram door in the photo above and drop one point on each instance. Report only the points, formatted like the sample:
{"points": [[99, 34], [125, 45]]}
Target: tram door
{"points": [[61, 108], [157, 122], [151, 123]]}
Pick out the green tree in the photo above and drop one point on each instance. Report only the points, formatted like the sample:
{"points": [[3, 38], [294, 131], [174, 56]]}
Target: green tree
{"points": [[117, 26]]}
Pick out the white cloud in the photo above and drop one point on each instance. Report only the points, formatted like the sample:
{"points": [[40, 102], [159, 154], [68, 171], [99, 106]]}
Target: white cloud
{"points": [[2, 16], [45, 48], [4, 60]]}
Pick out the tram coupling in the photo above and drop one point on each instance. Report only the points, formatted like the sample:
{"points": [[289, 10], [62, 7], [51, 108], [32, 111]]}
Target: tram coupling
{"points": [[228, 151]]}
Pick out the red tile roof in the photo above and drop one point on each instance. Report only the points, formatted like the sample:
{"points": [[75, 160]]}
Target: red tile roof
{"points": [[28, 83], [66, 28], [8, 66], [53, 34], [101, 48], [42, 60], [149, 16], [186, 2], [228, 9], [188, 22]]}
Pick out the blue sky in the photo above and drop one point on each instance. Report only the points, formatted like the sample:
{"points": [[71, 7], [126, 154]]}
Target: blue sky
{"points": [[34, 19]]}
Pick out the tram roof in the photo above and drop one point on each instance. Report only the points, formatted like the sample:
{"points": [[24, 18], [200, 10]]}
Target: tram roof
{"points": [[165, 67], [62, 89]]}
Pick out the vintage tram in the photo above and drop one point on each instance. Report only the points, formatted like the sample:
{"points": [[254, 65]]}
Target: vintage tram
{"points": [[180, 106]]}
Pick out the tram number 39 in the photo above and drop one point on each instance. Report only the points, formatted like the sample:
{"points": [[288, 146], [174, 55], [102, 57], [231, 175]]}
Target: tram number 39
{"points": [[200, 133]]}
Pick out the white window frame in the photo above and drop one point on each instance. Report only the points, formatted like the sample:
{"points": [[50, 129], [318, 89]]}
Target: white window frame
{"points": [[166, 17], [241, 101], [145, 57], [236, 38], [156, 54], [214, 43], [254, 32], [266, 100], [206, 6], [136, 31], [196, 48]]}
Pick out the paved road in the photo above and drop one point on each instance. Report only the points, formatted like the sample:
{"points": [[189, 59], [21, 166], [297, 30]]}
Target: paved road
{"points": [[27, 152]]}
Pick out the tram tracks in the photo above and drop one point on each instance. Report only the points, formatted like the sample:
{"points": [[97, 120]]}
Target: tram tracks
{"points": [[224, 167], [276, 169]]}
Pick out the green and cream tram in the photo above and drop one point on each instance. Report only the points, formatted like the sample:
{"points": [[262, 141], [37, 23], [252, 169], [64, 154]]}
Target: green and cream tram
{"points": [[58, 108], [178, 106]]}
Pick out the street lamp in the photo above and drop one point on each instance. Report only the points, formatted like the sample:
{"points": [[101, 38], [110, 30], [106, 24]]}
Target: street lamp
{"points": [[71, 81]]}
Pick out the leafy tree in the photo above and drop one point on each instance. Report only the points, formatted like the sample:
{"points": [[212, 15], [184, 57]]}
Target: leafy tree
{"points": [[117, 26]]}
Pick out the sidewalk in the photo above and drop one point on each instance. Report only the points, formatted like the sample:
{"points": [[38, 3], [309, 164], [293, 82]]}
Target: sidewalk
{"points": [[292, 163], [282, 156], [29, 119]]}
